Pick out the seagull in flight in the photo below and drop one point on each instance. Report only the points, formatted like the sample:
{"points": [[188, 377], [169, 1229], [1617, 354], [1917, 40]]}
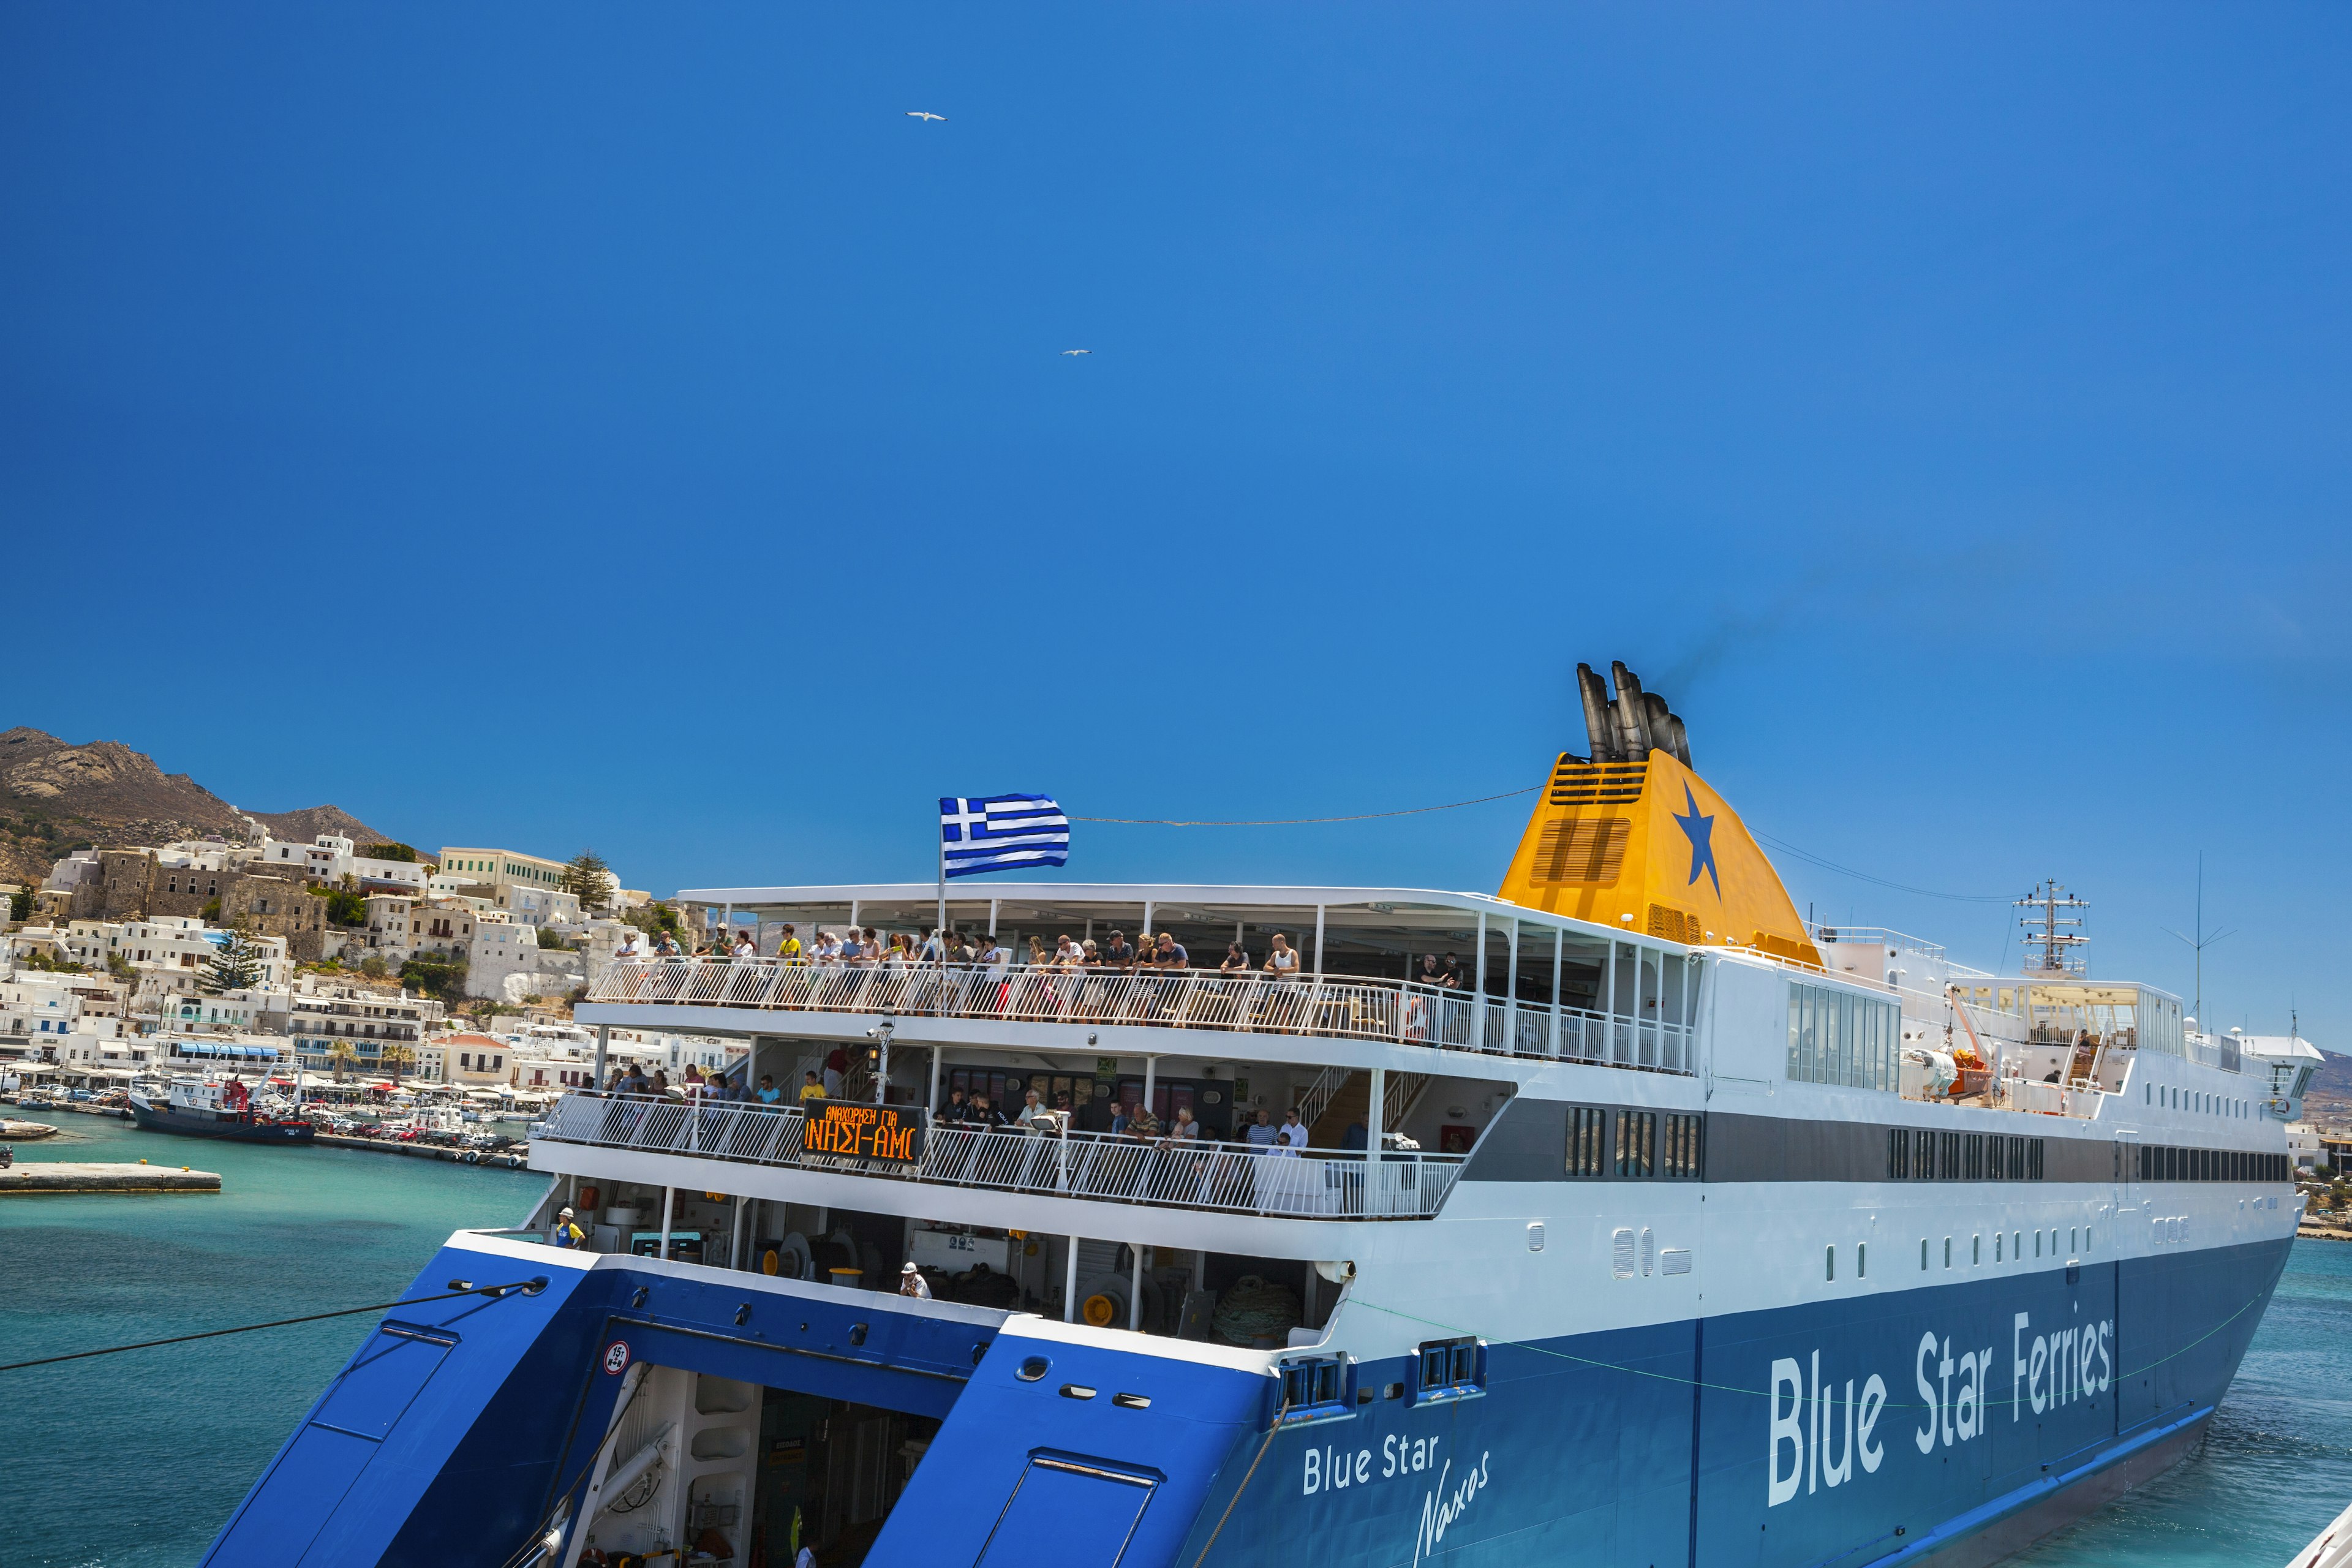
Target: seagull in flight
{"points": [[925, 114], [1070, 352]]}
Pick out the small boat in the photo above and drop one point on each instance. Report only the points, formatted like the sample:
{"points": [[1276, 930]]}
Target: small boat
{"points": [[214, 1108]]}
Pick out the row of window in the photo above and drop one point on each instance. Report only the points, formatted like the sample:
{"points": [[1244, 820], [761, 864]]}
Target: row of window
{"points": [[1633, 1145], [1915, 1156], [1837, 1036], [2162, 1163], [1318, 1387], [2007, 1247], [2198, 1101]]}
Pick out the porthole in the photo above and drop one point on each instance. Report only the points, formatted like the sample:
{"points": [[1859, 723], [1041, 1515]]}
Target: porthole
{"points": [[1033, 1369]]}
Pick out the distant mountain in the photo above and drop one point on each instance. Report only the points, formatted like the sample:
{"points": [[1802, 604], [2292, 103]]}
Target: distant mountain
{"points": [[2328, 1101], [56, 797]]}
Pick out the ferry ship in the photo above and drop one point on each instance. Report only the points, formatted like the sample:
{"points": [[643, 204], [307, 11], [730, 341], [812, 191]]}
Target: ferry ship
{"points": [[1679, 1231]]}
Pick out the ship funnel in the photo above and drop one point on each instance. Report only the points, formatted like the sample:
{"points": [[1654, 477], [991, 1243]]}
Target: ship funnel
{"points": [[1633, 841], [1629, 727]]}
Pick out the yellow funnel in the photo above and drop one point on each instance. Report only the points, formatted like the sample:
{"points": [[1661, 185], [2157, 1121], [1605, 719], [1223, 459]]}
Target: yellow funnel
{"points": [[1648, 840]]}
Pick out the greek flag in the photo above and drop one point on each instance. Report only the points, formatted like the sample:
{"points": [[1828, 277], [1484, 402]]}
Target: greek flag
{"points": [[1001, 833]]}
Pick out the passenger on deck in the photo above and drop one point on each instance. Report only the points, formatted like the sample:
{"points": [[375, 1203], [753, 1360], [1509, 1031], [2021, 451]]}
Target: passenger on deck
{"points": [[1430, 974], [1292, 1138], [1260, 1132], [1282, 963], [1116, 954], [1236, 964], [1450, 974], [810, 1088], [912, 1283], [632, 946], [745, 947], [1171, 954], [1121, 1118], [955, 1111], [1034, 1118], [980, 1114], [836, 1064], [788, 949], [769, 1094], [1185, 1128]]}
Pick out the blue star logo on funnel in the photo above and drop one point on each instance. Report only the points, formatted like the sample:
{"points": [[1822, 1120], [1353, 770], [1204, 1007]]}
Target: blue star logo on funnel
{"points": [[1700, 830]]}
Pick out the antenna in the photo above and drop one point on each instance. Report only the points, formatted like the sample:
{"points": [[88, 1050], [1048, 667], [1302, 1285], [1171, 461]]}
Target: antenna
{"points": [[2058, 916], [2201, 941]]}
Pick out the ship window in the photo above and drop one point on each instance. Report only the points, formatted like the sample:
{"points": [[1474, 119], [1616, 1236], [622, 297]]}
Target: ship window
{"points": [[1831, 1265], [1587, 1141], [1996, 1246], [2070, 1238], [2017, 1245], [2086, 1238], [1923, 1253], [1838, 1038], [1319, 1386], [1448, 1369], [1947, 1252], [1637, 1142], [1862, 1260], [1976, 1251]]}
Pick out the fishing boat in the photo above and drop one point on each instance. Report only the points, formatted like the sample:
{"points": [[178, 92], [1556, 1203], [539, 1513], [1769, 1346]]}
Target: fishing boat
{"points": [[1618, 1217], [217, 1107]]}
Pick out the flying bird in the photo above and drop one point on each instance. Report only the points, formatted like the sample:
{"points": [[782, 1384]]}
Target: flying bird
{"points": [[925, 114], [1078, 350]]}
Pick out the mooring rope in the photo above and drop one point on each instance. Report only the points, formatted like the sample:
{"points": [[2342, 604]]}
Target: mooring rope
{"points": [[530, 1286]]}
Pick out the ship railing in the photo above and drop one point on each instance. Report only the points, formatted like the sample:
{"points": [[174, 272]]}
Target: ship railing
{"points": [[1186, 1173], [2214, 1054], [1352, 1007], [2050, 1098]]}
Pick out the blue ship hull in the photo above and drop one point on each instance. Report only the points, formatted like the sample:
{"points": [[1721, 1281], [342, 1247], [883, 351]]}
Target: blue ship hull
{"points": [[1949, 1421]]}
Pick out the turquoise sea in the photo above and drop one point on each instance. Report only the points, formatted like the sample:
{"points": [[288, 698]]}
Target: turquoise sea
{"points": [[136, 1459]]}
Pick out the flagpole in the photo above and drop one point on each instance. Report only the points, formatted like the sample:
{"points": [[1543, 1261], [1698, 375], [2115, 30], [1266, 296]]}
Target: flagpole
{"points": [[943, 896]]}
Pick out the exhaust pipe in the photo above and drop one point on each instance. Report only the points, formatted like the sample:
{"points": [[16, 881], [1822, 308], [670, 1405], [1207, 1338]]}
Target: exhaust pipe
{"points": [[1599, 726], [1633, 718], [1628, 727]]}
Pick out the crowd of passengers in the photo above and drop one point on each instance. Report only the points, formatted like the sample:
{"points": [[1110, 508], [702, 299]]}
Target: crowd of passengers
{"points": [[1075, 955], [1128, 1120]]}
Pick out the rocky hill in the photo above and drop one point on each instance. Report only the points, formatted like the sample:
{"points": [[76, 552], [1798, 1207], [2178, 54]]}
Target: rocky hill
{"points": [[55, 798], [2328, 1101]]}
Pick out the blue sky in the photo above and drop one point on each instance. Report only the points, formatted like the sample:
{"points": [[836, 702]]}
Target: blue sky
{"points": [[602, 425]]}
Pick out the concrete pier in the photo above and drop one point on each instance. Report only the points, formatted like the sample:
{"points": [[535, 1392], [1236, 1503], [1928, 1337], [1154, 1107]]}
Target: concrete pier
{"points": [[516, 1160], [72, 1176]]}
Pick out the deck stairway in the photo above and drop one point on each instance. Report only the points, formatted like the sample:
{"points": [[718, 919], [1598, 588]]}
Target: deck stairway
{"points": [[1351, 1099]]}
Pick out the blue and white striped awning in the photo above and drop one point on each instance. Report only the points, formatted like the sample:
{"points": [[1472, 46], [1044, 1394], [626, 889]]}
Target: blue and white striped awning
{"points": [[237, 1053]]}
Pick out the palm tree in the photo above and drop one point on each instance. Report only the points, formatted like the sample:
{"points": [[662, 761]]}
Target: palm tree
{"points": [[342, 1054], [395, 1056]]}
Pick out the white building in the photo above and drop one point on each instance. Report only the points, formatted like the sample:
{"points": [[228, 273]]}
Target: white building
{"points": [[498, 874], [2302, 1144], [331, 856], [179, 942], [37, 1009]]}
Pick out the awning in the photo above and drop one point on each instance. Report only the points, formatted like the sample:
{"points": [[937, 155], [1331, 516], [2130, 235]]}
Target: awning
{"points": [[234, 1053]]}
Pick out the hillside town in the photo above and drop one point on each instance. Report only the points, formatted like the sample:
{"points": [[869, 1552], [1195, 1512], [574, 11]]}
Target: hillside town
{"points": [[362, 964]]}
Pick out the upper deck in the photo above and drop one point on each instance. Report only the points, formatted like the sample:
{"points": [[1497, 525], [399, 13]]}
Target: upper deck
{"points": [[1524, 983]]}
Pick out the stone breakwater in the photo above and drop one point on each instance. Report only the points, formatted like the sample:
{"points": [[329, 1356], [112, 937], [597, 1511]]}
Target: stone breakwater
{"points": [[70, 1176]]}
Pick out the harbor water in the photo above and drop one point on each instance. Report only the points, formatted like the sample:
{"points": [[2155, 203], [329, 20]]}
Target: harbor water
{"points": [[136, 1459]]}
